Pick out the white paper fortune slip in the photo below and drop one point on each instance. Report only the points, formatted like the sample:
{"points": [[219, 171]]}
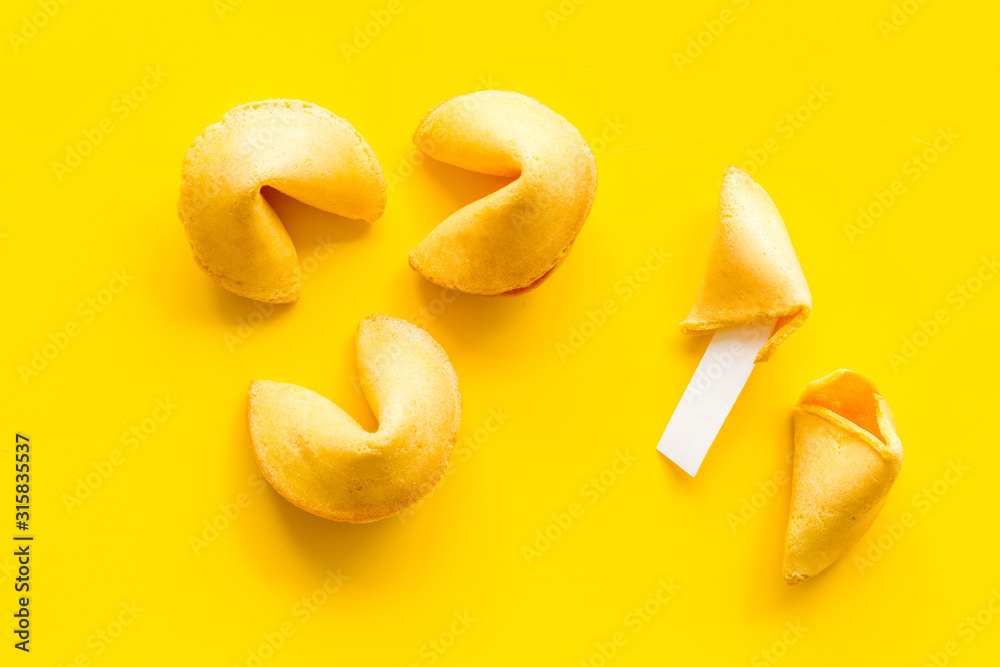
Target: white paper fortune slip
{"points": [[712, 393]]}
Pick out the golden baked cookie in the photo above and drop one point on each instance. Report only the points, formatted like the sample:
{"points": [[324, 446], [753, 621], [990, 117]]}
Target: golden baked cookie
{"points": [[509, 241], [846, 457], [753, 273], [295, 147], [321, 460]]}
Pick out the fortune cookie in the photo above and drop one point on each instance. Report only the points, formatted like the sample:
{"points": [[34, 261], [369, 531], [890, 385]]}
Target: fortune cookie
{"points": [[753, 274], [295, 147], [321, 460], [846, 457], [509, 241]]}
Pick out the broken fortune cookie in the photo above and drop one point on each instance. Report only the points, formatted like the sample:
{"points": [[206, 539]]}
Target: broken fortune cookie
{"points": [[753, 295], [753, 274], [846, 457]]}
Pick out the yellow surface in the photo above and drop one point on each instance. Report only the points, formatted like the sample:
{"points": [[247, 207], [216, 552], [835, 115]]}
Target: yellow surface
{"points": [[548, 421]]}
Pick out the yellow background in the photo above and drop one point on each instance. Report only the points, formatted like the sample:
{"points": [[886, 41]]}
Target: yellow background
{"points": [[607, 65]]}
